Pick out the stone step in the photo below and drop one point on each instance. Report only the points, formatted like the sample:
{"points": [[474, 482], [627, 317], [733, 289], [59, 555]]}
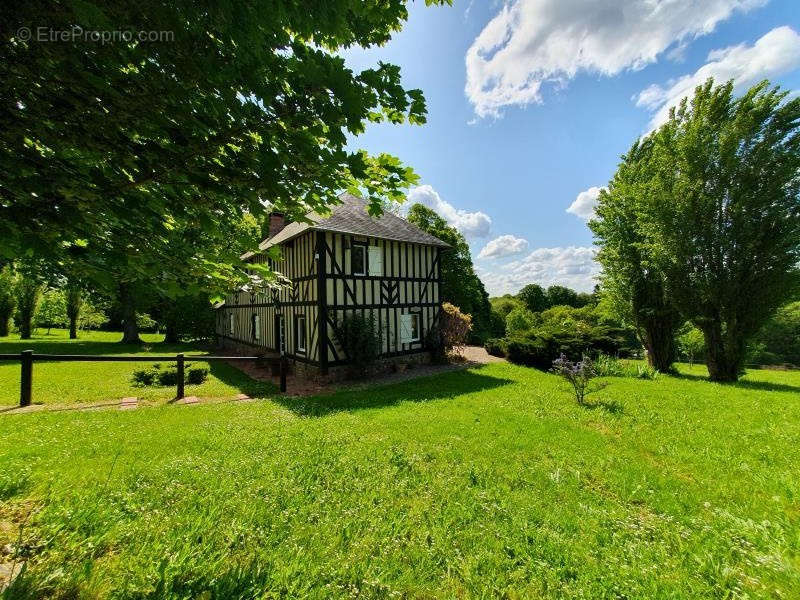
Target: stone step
{"points": [[129, 403]]}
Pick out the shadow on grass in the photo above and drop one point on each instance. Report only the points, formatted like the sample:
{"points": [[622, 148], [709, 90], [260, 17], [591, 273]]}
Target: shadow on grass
{"points": [[422, 389], [764, 386], [233, 377]]}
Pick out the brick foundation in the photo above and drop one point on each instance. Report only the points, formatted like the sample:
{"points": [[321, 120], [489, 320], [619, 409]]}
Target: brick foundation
{"points": [[312, 372]]}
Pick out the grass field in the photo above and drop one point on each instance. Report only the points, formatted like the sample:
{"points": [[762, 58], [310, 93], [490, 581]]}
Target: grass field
{"points": [[79, 382], [483, 483]]}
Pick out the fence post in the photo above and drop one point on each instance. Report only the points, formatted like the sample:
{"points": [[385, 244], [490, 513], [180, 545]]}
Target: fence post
{"points": [[26, 378], [283, 373], [180, 377]]}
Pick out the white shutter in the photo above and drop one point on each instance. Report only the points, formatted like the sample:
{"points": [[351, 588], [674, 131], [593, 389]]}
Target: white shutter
{"points": [[405, 329], [375, 260]]}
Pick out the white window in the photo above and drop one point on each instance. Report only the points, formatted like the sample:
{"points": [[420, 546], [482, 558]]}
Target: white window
{"points": [[409, 328], [256, 327], [300, 332], [230, 323], [358, 259], [375, 260]]}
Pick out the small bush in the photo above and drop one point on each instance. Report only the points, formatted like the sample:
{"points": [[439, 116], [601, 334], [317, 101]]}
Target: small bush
{"points": [[646, 372], [360, 339], [532, 352], [497, 347], [167, 377], [578, 374], [144, 376], [609, 366], [196, 375], [155, 375]]}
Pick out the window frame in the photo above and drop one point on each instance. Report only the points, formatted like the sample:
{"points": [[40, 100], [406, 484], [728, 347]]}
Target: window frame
{"points": [[415, 317], [365, 258], [298, 339]]}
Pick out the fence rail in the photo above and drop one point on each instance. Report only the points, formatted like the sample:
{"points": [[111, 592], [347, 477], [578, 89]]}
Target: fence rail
{"points": [[27, 358]]}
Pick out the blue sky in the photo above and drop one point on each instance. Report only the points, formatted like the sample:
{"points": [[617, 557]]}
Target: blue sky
{"points": [[531, 103]]}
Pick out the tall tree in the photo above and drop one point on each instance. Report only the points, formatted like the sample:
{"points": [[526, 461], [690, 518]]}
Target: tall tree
{"points": [[558, 295], [631, 284], [723, 213], [534, 297], [106, 148], [8, 299], [73, 296], [29, 290], [460, 285]]}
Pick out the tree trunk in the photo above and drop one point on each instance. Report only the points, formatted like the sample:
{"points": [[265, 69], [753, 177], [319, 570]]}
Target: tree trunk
{"points": [[171, 333], [724, 353], [659, 341], [25, 326], [4, 325], [74, 299], [130, 331]]}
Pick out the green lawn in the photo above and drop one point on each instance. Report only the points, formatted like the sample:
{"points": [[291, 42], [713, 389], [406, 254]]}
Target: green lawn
{"points": [[484, 483], [97, 382]]}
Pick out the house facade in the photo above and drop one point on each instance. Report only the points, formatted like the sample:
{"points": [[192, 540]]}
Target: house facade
{"points": [[344, 263]]}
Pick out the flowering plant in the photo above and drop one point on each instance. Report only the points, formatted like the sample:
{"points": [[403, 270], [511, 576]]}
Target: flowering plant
{"points": [[578, 374]]}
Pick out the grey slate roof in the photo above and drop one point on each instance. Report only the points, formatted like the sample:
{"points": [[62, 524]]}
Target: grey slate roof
{"points": [[351, 216]]}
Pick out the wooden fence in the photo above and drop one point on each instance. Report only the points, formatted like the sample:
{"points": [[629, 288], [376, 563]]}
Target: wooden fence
{"points": [[27, 358]]}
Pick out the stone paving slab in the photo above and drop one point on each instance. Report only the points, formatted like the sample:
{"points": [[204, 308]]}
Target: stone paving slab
{"points": [[188, 400], [129, 403]]}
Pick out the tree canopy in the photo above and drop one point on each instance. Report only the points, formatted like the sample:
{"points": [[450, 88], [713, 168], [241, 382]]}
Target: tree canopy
{"points": [[108, 149], [631, 284], [703, 218]]}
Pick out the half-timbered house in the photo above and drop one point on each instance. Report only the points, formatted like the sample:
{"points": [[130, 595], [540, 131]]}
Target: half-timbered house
{"points": [[345, 262]]}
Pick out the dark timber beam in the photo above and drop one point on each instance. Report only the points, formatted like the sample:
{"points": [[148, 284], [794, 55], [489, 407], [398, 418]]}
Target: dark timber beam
{"points": [[322, 302]]}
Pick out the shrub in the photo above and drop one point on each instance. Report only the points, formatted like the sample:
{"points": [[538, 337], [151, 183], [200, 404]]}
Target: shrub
{"points": [[519, 321], [196, 375], [497, 324], [144, 376], [609, 366], [533, 352], [578, 374], [168, 377], [454, 327], [497, 347], [691, 343], [155, 375], [360, 339], [145, 322], [646, 372]]}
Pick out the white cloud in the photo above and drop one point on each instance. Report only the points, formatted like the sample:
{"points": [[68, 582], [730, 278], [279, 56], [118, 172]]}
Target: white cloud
{"points": [[585, 203], [471, 224], [531, 42], [505, 245], [572, 266], [775, 53]]}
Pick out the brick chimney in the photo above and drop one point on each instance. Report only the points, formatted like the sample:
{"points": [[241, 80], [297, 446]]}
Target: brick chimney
{"points": [[276, 223]]}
